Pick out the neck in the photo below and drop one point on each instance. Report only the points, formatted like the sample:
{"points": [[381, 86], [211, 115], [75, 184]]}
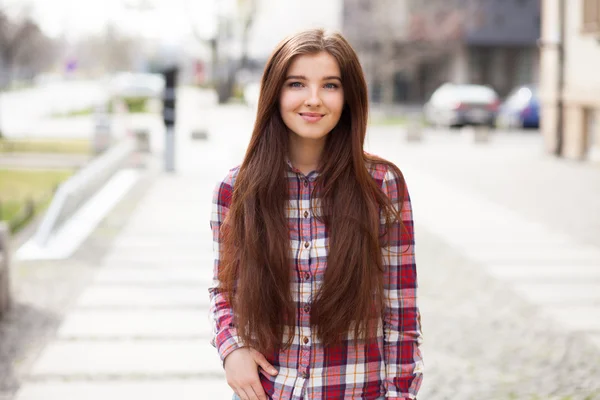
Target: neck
{"points": [[305, 154]]}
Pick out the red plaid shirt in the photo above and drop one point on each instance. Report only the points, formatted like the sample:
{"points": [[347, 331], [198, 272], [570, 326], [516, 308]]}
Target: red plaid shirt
{"points": [[392, 365]]}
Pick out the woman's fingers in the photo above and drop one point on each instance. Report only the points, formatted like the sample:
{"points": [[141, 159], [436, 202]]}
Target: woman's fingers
{"points": [[239, 392], [263, 363], [241, 369], [250, 393], [259, 391], [242, 394]]}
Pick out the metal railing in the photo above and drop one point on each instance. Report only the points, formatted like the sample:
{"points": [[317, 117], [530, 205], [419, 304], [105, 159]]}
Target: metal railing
{"points": [[5, 286], [72, 193]]}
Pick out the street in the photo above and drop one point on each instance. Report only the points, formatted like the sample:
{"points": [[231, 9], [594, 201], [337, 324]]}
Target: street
{"points": [[507, 252]]}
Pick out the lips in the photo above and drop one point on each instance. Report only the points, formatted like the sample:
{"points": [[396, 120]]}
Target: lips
{"points": [[311, 117]]}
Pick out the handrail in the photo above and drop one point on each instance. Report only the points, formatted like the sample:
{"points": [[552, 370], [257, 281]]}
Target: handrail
{"points": [[72, 193], [5, 287]]}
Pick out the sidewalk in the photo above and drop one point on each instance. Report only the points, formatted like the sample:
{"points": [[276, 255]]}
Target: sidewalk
{"points": [[141, 328], [140, 331], [526, 217], [508, 251], [510, 297]]}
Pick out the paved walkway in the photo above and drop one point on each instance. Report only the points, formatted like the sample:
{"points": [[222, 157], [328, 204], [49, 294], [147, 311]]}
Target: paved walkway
{"points": [[511, 303], [508, 248], [141, 329], [526, 217]]}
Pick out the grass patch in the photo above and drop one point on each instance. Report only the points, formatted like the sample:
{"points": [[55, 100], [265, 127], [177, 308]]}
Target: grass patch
{"points": [[75, 113], [66, 146], [135, 105], [24, 193]]}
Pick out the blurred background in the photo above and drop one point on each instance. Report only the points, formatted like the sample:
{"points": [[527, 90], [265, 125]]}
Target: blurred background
{"points": [[118, 117]]}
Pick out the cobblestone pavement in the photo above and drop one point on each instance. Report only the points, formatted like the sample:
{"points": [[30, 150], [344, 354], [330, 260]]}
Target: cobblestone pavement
{"points": [[490, 331], [482, 341], [509, 280]]}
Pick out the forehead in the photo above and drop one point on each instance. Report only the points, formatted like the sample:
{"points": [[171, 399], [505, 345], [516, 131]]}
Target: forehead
{"points": [[314, 65]]}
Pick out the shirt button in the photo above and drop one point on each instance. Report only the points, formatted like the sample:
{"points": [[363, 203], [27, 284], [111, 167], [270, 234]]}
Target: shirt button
{"points": [[305, 340], [307, 308], [306, 244], [305, 375], [305, 214], [306, 275], [305, 183]]}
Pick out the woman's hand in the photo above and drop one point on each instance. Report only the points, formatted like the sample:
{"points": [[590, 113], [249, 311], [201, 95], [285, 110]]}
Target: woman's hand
{"points": [[241, 371]]}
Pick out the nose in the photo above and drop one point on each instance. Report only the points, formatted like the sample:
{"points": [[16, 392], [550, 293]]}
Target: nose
{"points": [[313, 98]]}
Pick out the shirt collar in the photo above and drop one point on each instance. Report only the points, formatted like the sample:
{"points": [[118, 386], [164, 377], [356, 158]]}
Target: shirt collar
{"points": [[311, 175]]}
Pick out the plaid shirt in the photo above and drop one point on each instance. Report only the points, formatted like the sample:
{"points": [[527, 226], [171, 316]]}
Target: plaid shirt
{"points": [[392, 365]]}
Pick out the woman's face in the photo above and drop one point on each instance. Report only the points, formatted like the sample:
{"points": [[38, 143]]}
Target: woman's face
{"points": [[312, 97]]}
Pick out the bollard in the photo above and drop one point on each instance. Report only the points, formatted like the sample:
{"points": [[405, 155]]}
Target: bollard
{"points": [[142, 148], [199, 134], [414, 130], [5, 289], [102, 129], [482, 134], [142, 140], [476, 134]]}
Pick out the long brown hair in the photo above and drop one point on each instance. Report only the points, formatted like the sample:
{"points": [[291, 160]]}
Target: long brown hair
{"points": [[256, 270]]}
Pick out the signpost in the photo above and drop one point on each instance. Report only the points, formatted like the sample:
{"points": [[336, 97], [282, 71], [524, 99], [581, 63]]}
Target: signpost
{"points": [[169, 106]]}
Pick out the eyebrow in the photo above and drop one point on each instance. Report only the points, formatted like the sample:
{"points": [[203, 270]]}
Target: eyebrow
{"points": [[302, 77]]}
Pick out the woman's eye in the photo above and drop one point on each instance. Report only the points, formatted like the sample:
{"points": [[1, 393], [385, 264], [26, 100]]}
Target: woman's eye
{"points": [[331, 86], [295, 84]]}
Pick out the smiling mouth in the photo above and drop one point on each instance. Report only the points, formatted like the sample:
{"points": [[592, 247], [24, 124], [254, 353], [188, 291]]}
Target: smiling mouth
{"points": [[311, 117]]}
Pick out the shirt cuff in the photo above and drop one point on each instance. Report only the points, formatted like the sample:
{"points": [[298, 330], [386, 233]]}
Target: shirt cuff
{"points": [[227, 341]]}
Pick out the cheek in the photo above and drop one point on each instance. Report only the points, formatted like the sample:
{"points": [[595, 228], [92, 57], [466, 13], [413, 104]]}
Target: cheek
{"points": [[336, 103], [288, 101]]}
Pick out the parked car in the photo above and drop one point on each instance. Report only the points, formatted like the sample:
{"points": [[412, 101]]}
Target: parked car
{"points": [[521, 109], [456, 105]]}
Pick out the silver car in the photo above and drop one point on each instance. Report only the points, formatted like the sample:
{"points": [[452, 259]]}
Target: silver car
{"points": [[456, 105]]}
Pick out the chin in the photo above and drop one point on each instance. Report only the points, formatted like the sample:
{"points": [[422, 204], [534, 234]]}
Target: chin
{"points": [[314, 135]]}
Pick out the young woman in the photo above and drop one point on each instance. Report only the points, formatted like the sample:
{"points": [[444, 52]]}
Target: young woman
{"points": [[314, 294]]}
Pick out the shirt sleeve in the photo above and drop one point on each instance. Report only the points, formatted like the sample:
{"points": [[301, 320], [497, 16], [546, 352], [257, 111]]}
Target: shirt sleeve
{"points": [[402, 320], [225, 337]]}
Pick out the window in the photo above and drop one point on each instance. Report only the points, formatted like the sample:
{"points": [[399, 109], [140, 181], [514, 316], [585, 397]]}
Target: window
{"points": [[591, 16]]}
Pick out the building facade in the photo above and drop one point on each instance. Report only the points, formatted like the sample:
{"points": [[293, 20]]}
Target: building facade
{"points": [[497, 46], [570, 78]]}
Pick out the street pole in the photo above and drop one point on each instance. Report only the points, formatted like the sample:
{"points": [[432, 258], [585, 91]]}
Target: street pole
{"points": [[169, 106], [561, 79]]}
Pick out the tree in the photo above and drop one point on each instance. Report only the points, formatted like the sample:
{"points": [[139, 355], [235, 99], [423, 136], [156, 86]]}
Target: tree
{"points": [[248, 10], [111, 50], [399, 35], [236, 26], [23, 46]]}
